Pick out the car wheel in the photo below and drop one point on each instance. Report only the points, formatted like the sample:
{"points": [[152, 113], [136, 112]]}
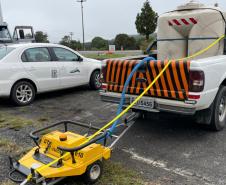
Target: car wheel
{"points": [[218, 120], [93, 172], [23, 93], [95, 80]]}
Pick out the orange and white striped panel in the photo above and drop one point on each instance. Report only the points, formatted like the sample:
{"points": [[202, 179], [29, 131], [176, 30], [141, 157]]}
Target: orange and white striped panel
{"points": [[173, 84]]}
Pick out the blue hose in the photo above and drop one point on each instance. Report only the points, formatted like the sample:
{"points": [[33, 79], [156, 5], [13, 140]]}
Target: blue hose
{"points": [[113, 127]]}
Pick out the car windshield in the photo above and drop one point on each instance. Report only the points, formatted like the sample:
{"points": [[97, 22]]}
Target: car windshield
{"points": [[4, 50]]}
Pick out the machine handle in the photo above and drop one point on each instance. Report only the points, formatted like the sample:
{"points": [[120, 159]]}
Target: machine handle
{"points": [[34, 137], [102, 136]]}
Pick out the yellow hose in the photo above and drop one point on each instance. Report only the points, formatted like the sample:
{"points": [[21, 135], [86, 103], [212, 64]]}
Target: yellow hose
{"points": [[133, 103]]}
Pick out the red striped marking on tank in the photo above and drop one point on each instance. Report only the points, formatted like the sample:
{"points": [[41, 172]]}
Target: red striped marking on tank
{"points": [[176, 22], [193, 20], [170, 23], [185, 21], [179, 22]]}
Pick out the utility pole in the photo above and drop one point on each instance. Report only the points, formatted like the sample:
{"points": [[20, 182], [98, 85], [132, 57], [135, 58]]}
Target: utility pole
{"points": [[71, 35], [83, 31], [1, 16]]}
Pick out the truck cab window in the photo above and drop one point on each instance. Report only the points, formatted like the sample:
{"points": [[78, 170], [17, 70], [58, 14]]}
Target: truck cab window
{"points": [[4, 34]]}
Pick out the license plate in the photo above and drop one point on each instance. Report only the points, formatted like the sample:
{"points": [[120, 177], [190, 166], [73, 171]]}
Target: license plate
{"points": [[143, 103]]}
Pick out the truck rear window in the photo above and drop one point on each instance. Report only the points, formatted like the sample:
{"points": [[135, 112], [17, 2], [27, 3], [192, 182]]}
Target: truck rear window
{"points": [[5, 51]]}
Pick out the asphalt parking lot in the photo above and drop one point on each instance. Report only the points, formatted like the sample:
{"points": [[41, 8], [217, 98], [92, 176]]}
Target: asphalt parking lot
{"points": [[164, 150]]}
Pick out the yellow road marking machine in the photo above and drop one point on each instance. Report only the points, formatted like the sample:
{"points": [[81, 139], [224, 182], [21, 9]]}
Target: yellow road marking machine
{"points": [[61, 154], [66, 154]]}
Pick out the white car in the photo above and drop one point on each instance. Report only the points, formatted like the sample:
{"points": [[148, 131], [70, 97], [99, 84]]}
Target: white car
{"points": [[28, 69]]}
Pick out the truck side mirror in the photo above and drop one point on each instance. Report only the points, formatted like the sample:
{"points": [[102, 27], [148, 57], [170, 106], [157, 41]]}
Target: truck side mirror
{"points": [[225, 43], [152, 46], [224, 46]]}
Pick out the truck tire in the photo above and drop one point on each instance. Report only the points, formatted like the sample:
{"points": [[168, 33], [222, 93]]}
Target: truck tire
{"points": [[218, 119], [93, 172], [95, 80], [22, 93]]}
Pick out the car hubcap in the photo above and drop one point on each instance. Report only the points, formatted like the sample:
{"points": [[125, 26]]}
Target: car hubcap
{"points": [[97, 80], [222, 109], [95, 172], [24, 93]]}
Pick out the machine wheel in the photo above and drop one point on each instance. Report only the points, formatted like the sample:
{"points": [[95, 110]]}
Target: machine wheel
{"points": [[218, 120], [23, 93], [95, 83], [93, 172]]}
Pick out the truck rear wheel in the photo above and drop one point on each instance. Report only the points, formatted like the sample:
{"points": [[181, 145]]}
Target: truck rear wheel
{"points": [[218, 120]]}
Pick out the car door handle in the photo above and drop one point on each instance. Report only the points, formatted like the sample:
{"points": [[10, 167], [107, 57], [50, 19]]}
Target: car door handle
{"points": [[76, 70]]}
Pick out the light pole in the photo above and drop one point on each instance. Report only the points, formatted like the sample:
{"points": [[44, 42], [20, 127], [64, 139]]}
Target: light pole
{"points": [[71, 35], [1, 16], [83, 31]]}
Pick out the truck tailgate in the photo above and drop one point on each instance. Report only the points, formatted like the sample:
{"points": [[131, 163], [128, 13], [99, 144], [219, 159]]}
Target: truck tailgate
{"points": [[173, 84]]}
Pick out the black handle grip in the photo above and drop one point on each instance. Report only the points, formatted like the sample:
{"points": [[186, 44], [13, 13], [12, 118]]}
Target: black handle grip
{"points": [[33, 136], [102, 136]]}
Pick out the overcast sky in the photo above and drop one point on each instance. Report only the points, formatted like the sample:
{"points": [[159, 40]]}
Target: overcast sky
{"points": [[104, 18]]}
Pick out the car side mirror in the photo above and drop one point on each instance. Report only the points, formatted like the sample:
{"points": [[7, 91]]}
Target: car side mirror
{"points": [[151, 46], [80, 59]]}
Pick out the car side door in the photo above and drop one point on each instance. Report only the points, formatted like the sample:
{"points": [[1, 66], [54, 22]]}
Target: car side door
{"points": [[72, 69], [38, 63]]}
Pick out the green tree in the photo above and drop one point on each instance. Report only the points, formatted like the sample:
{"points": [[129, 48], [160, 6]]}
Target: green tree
{"points": [[146, 21], [99, 43], [125, 42], [131, 43], [73, 44], [76, 45], [41, 37], [66, 40]]}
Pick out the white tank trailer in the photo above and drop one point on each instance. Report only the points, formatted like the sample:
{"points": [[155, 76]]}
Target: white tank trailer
{"points": [[189, 29]]}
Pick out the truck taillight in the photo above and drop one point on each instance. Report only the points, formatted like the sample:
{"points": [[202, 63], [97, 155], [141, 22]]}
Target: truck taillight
{"points": [[103, 72], [196, 81]]}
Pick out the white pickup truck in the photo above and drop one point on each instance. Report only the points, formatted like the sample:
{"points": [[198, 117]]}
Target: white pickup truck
{"points": [[196, 87]]}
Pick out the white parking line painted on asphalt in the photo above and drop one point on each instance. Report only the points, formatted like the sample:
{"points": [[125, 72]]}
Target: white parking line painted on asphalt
{"points": [[85, 114], [108, 105], [163, 165]]}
